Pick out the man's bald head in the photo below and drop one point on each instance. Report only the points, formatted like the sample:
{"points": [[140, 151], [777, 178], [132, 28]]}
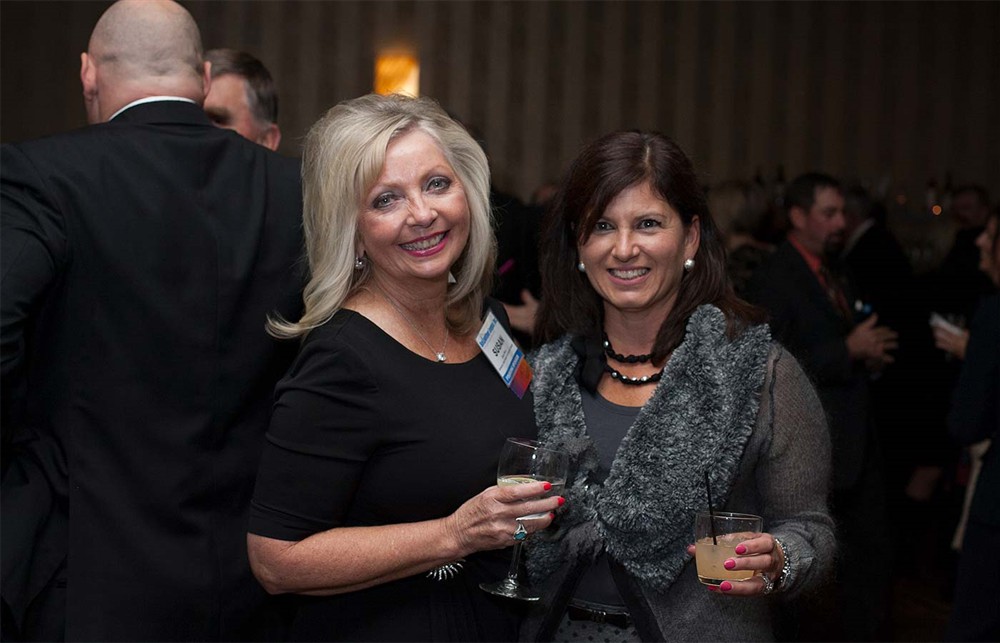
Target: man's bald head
{"points": [[141, 48]]}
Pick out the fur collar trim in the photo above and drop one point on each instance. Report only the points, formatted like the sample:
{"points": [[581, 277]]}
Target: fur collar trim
{"points": [[700, 418]]}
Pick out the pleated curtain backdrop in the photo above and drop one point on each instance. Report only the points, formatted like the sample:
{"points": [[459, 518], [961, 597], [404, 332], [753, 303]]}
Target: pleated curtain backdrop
{"points": [[905, 91]]}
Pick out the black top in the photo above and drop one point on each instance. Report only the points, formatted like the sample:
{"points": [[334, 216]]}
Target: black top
{"points": [[975, 409], [364, 433]]}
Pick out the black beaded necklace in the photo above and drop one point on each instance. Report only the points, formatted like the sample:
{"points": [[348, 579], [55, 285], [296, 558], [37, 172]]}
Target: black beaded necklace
{"points": [[628, 359], [618, 357]]}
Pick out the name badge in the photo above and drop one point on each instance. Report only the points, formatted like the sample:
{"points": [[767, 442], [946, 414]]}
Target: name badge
{"points": [[504, 355]]}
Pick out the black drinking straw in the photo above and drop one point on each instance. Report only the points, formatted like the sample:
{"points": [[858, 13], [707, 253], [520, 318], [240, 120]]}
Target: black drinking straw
{"points": [[711, 512]]}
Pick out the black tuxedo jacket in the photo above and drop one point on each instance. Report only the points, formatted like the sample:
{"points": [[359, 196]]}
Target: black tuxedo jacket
{"points": [[806, 322], [140, 260]]}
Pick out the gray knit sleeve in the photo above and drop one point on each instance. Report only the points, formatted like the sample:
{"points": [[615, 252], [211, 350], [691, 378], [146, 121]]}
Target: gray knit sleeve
{"points": [[793, 476]]}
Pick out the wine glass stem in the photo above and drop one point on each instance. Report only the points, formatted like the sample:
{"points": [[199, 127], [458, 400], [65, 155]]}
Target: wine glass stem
{"points": [[515, 560]]}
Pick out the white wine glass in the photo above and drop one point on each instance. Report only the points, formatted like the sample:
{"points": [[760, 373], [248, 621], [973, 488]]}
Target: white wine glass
{"points": [[523, 461]]}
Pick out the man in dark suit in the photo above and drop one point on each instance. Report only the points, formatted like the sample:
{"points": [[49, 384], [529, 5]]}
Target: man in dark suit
{"points": [[882, 278], [812, 314], [140, 258], [909, 398]]}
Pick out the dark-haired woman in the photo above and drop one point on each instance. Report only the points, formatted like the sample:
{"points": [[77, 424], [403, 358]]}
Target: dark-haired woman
{"points": [[975, 420], [654, 374]]}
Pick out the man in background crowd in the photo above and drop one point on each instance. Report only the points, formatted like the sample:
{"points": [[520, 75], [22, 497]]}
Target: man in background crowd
{"points": [[813, 315], [904, 406], [243, 97], [141, 257]]}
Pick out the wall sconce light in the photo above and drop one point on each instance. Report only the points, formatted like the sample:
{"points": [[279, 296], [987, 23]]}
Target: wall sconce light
{"points": [[397, 73]]}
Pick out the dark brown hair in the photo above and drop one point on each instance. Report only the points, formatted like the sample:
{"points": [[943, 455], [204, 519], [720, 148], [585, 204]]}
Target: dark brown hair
{"points": [[604, 169], [262, 95], [801, 192]]}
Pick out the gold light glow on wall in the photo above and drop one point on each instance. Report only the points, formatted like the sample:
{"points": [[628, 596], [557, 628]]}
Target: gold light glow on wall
{"points": [[397, 73]]}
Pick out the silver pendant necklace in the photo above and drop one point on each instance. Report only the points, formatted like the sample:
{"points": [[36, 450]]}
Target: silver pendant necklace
{"points": [[438, 355]]}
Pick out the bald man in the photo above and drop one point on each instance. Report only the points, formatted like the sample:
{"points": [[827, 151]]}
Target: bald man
{"points": [[141, 256]]}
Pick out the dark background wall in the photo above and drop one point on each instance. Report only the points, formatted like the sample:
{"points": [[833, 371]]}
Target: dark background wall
{"points": [[895, 93]]}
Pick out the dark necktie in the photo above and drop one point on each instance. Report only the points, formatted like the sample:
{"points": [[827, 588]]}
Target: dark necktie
{"points": [[835, 292]]}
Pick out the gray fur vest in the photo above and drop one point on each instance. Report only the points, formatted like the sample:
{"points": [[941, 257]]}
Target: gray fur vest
{"points": [[699, 419]]}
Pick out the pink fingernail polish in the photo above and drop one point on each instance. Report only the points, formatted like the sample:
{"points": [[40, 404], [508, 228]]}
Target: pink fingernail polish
{"points": [[741, 549], [726, 586], [729, 564], [562, 501], [712, 588]]}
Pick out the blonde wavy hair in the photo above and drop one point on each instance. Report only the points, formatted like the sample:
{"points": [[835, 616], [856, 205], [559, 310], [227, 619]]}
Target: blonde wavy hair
{"points": [[342, 158]]}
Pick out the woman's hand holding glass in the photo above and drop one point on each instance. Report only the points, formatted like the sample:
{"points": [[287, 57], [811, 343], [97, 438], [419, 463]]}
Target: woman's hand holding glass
{"points": [[488, 520], [761, 554], [524, 463]]}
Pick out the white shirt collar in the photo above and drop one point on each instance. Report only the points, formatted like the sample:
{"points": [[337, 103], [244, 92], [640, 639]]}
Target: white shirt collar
{"points": [[152, 99]]}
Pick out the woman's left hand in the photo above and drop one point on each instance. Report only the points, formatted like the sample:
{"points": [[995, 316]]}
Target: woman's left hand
{"points": [[761, 554]]}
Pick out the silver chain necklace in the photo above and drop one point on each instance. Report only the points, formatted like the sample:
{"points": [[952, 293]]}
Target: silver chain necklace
{"points": [[440, 356]]}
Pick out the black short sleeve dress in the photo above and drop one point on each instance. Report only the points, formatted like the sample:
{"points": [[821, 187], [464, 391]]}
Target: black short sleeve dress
{"points": [[365, 432]]}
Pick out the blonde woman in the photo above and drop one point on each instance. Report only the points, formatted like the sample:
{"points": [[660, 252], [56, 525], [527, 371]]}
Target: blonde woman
{"points": [[375, 496]]}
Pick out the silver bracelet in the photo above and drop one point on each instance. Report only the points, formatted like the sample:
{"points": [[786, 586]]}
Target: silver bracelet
{"points": [[446, 571], [776, 584]]}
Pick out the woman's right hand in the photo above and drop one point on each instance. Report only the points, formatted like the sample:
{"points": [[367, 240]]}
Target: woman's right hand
{"points": [[346, 559], [488, 520]]}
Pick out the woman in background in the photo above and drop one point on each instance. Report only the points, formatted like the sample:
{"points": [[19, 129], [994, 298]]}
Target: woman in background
{"points": [[975, 418], [739, 208], [370, 498], [654, 374]]}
